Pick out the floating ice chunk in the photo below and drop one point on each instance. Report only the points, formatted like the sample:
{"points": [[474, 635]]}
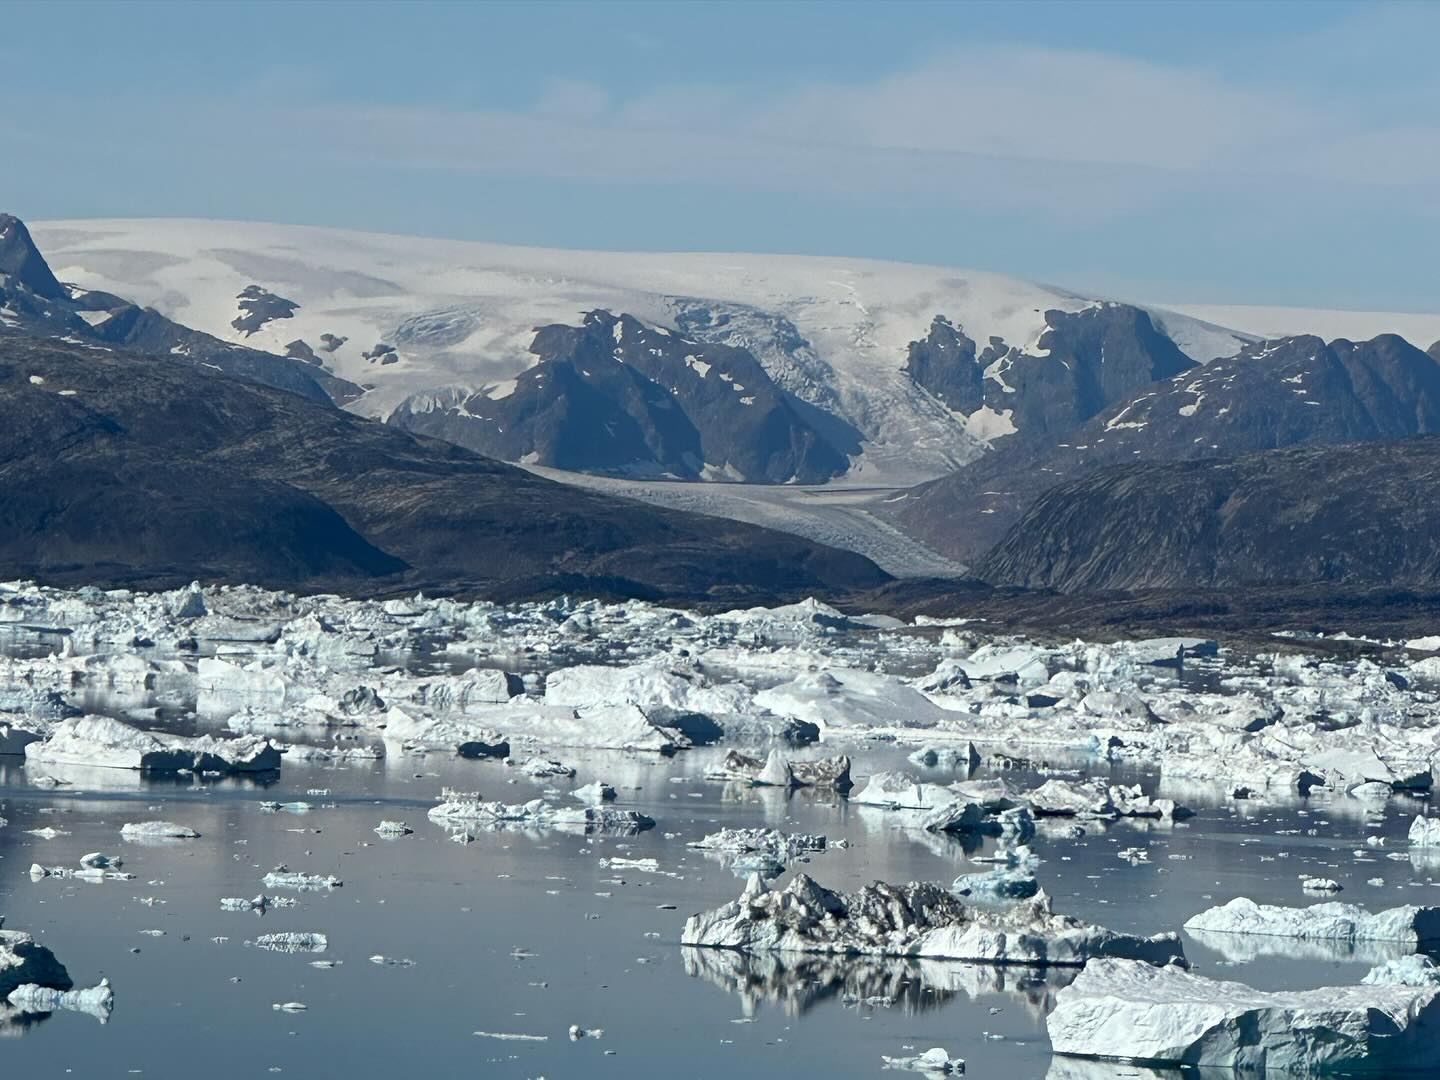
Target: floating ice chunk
{"points": [[105, 742], [997, 884], [84, 873], [139, 832], [393, 828], [1425, 832], [1410, 925], [456, 736], [259, 903], [222, 686], [1416, 969], [1126, 1011], [1320, 884], [293, 941], [594, 793], [917, 920], [287, 808], [97, 860], [543, 768], [1168, 652], [1020, 664], [479, 688], [539, 814], [963, 756], [936, 1061], [650, 686], [779, 846], [845, 700], [288, 879], [97, 1000]]}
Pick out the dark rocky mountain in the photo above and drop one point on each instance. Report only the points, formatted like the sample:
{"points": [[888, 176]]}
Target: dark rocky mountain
{"points": [[1288, 392], [34, 303], [123, 469], [616, 396], [259, 306], [1083, 362], [1348, 515]]}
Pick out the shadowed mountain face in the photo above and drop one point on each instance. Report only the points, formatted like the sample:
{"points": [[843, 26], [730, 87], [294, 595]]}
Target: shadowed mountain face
{"points": [[1294, 391], [616, 396], [122, 469], [1352, 515], [1083, 362], [33, 303]]}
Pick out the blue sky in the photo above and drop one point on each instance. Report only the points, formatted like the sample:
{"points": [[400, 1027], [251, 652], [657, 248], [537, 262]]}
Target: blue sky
{"points": [[1227, 152]]}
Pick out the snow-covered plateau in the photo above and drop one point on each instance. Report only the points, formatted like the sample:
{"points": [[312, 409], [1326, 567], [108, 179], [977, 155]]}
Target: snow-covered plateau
{"points": [[413, 316]]}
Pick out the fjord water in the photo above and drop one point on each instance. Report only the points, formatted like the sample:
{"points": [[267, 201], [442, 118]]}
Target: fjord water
{"points": [[526, 933]]}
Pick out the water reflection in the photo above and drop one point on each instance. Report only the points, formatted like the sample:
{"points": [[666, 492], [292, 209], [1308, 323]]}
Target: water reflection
{"points": [[1247, 948], [797, 983]]}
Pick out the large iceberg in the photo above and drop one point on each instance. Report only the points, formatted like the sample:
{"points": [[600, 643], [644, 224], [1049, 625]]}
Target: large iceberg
{"points": [[109, 743], [917, 920], [1408, 925], [1127, 1011]]}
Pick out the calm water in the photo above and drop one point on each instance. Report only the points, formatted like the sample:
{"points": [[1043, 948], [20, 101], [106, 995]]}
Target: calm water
{"points": [[527, 933]]}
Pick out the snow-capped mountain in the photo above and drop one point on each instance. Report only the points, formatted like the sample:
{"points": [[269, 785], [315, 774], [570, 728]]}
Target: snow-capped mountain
{"points": [[429, 325]]}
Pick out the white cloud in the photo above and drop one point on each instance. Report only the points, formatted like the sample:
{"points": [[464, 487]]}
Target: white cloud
{"points": [[1066, 132]]}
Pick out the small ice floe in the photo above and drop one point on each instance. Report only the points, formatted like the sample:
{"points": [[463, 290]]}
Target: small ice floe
{"points": [[594, 793], [83, 873], [293, 941], [290, 1006], [539, 768], [539, 814], [287, 808], [261, 903], [577, 1033], [511, 1036], [393, 828], [140, 832], [936, 1061], [1320, 884], [97, 1001], [287, 879]]}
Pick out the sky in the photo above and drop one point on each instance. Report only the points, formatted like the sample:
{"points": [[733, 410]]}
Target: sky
{"points": [[1266, 153]]}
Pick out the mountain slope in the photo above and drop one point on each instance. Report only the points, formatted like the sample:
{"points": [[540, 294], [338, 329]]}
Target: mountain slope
{"points": [[1082, 362], [456, 317], [1349, 515], [616, 396], [117, 468], [1291, 392], [34, 302]]}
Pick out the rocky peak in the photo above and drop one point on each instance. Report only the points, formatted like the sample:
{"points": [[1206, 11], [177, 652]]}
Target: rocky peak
{"points": [[21, 261]]}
